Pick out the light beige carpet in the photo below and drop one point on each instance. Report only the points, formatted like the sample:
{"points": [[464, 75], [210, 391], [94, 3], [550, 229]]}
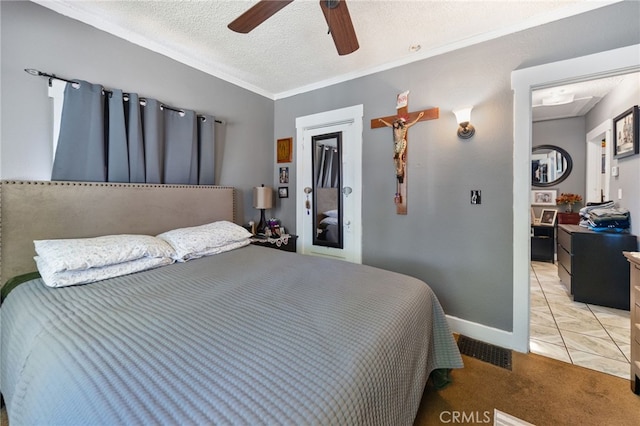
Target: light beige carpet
{"points": [[537, 390]]}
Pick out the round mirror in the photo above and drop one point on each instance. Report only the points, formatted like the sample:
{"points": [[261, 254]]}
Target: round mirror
{"points": [[550, 165]]}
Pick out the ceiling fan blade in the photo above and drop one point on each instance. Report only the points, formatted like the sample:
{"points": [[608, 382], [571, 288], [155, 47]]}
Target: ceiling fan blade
{"points": [[337, 15], [256, 15]]}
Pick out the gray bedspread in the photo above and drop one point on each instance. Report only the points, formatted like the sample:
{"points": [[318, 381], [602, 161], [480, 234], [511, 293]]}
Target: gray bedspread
{"points": [[251, 336]]}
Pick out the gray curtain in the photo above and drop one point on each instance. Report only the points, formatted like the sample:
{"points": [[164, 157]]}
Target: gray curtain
{"points": [[328, 166], [118, 152], [181, 147], [138, 172], [118, 137], [206, 149], [80, 154], [153, 141]]}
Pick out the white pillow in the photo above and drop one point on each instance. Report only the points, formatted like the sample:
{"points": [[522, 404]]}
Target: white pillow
{"points": [[331, 213], [85, 253], [226, 247], [205, 240], [54, 278], [329, 221]]}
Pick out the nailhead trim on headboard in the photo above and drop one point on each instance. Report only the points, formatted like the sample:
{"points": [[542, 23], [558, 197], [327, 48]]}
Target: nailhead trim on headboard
{"points": [[115, 184], [104, 184]]}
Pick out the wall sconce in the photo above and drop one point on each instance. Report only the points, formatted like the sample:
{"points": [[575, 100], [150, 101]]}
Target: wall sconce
{"points": [[262, 199], [463, 116]]}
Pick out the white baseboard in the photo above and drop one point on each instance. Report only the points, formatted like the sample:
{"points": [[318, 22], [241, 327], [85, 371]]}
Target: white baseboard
{"points": [[486, 334]]}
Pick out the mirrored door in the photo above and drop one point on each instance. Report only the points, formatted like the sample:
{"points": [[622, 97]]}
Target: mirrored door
{"points": [[328, 184], [326, 209]]}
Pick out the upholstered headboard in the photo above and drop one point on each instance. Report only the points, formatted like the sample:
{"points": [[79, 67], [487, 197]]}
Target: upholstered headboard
{"points": [[34, 210], [327, 199]]}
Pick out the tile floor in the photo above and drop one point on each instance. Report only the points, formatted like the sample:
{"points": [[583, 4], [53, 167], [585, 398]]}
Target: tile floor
{"points": [[591, 336]]}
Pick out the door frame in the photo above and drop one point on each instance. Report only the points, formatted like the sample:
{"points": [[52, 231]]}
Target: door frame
{"points": [[603, 64], [594, 161], [350, 115]]}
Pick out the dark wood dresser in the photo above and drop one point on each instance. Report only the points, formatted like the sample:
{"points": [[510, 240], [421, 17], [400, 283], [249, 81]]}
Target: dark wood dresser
{"points": [[634, 264], [593, 267]]}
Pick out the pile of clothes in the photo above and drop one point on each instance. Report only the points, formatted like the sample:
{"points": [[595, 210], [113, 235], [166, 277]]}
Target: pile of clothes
{"points": [[605, 217]]}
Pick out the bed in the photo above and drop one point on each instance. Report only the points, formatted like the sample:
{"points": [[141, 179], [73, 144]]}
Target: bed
{"points": [[327, 228], [251, 335]]}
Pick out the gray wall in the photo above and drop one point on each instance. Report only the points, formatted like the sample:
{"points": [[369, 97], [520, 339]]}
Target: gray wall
{"points": [[35, 37], [618, 101], [569, 134], [464, 252]]}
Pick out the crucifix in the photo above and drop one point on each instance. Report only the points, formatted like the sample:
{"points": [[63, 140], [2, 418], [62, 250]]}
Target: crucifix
{"points": [[400, 124]]}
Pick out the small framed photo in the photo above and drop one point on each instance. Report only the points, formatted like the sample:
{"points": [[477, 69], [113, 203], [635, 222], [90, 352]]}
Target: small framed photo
{"points": [[275, 231], [284, 150], [284, 175], [548, 217], [625, 133], [544, 197], [283, 192], [534, 220]]}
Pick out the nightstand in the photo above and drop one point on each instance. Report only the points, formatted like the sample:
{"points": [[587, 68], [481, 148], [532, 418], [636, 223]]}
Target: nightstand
{"points": [[543, 242], [286, 243]]}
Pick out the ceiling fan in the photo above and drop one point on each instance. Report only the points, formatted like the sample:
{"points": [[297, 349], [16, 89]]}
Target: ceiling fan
{"points": [[335, 13]]}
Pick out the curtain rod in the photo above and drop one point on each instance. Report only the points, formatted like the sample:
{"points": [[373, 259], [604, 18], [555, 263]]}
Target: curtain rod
{"points": [[53, 76]]}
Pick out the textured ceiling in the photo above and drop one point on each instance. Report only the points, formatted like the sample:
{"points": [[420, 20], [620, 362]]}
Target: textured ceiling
{"points": [[291, 52], [584, 95]]}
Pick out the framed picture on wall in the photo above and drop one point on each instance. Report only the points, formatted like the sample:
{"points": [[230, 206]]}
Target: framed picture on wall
{"points": [[283, 192], [544, 197], [283, 175], [284, 150], [548, 217], [625, 133], [534, 219]]}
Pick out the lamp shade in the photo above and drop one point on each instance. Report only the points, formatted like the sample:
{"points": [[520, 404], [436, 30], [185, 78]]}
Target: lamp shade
{"points": [[262, 197], [463, 115]]}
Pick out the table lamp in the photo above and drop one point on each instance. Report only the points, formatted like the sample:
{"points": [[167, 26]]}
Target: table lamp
{"points": [[262, 199]]}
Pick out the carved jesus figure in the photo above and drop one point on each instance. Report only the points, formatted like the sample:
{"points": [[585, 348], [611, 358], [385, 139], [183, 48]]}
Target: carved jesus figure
{"points": [[400, 127]]}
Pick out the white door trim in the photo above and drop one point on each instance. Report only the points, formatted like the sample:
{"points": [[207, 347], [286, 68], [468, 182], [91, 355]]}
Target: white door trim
{"points": [[349, 115], [612, 62], [594, 161]]}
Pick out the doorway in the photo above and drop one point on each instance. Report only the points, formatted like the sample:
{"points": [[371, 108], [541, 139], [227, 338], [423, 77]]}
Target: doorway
{"points": [[613, 62], [329, 184], [558, 325], [599, 152]]}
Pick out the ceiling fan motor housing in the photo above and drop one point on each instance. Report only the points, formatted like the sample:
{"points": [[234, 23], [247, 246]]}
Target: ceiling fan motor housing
{"points": [[332, 4]]}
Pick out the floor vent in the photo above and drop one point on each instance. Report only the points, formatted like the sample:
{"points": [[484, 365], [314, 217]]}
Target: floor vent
{"points": [[485, 352]]}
